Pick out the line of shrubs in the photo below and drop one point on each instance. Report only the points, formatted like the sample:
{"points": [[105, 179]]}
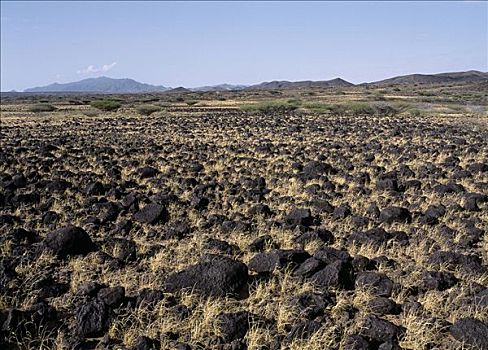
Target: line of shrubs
{"points": [[354, 108]]}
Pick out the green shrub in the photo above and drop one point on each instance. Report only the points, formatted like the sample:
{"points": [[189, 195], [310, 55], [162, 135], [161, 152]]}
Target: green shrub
{"points": [[271, 107], [319, 107], [42, 107], [386, 109], [415, 112], [147, 109], [106, 105], [360, 108], [92, 112]]}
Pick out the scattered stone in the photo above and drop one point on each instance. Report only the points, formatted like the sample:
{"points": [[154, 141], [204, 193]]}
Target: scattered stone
{"points": [[377, 283], [92, 319], [470, 331], [215, 276], [151, 214], [377, 329], [69, 240]]}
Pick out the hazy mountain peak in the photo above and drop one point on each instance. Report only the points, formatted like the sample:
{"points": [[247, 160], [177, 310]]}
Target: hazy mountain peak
{"points": [[101, 84]]}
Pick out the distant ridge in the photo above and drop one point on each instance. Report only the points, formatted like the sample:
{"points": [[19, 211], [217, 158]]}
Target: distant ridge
{"points": [[471, 76], [288, 85], [107, 85], [101, 85], [220, 87]]}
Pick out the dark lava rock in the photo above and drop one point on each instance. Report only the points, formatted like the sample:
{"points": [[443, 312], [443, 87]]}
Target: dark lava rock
{"points": [[146, 343], [299, 216], [470, 331], [89, 289], [92, 319], [450, 187], [200, 203], [377, 329], [361, 263], [452, 260], [377, 237], [438, 280], [377, 283], [149, 297], [177, 230], [321, 206], [122, 249], [302, 330], [50, 217], [259, 209], [233, 325], [389, 345], [309, 267], [181, 312], [214, 275], [387, 182], [310, 305], [113, 296], [269, 261], [260, 243], [478, 167], [395, 214], [383, 306], [57, 186], [20, 235], [322, 235], [69, 240], [356, 342], [95, 189], [342, 211], [337, 274], [315, 169], [432, 215], [147, 172], [481, 298], [329, 255], [220, 246], [151, 214], [373, 211]]}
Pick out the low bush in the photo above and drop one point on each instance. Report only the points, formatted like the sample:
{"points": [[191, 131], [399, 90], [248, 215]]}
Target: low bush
{"points": [[42, 107], [360, 108], [92, 112], [271, 106], [106, 105], [147, 109]]}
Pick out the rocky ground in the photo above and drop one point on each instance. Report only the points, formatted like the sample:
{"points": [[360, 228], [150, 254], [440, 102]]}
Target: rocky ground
{"points": [[221, 229]]}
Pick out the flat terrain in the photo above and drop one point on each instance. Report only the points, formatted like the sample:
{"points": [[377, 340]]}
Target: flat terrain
{"points": [[351, 219]]}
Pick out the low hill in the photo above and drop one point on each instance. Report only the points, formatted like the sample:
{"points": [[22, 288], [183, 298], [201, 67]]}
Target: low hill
{"points": [[471, 76], [220, 87], [291, 85]]}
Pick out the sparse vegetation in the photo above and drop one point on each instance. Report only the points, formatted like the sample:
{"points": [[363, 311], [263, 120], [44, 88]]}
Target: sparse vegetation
{"points": [[148, 109], [42, 107], [106, 105], [272, 106], [359, 108], [346, 220]]}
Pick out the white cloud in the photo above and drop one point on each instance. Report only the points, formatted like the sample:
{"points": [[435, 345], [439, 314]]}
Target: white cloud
{"points": [[91, 69]]}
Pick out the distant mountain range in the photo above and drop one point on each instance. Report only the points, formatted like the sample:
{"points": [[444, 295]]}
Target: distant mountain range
{"points": [[101, 85], [116, 86]]}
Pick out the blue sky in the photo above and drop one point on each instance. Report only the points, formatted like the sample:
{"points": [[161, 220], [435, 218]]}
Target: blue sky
{"points": [[199, 43]]}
